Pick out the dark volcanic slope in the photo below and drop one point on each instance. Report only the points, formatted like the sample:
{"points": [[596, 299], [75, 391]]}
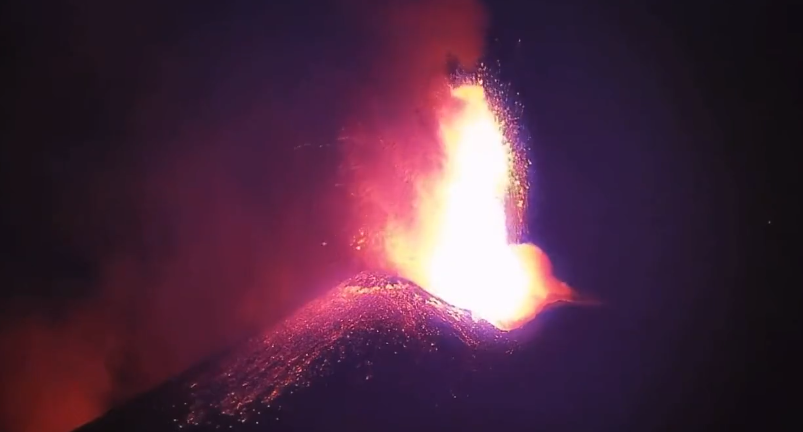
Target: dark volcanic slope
{"points": [[347, 357], [364, 316]]}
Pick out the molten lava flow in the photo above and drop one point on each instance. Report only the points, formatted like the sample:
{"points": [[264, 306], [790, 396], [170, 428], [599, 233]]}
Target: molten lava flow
{"points": [[459, 245]]}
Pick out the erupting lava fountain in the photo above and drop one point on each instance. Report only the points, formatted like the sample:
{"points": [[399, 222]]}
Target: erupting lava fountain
{"points": [[463, 244], [465, 280]]}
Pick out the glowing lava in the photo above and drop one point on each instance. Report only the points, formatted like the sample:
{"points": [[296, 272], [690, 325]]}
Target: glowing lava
{"points": [[460, 246]]}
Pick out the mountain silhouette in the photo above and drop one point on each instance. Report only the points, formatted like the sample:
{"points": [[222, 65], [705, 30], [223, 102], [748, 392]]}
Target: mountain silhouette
{"points": [[377, 353]]}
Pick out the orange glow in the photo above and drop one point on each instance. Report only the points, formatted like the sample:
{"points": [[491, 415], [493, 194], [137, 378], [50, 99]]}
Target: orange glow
{"points": [[459, 246]]}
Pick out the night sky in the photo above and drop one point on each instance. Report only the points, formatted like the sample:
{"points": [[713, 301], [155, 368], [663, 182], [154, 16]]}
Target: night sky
{"points": [[170, 172]]}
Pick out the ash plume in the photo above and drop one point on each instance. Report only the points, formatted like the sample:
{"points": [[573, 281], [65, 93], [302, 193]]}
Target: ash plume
{"points": [[392, 138], [174, 183]]}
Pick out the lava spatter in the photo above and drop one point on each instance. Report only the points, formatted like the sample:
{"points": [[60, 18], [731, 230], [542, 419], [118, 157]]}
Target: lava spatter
{"points": [[462, 240], [367, 313]]}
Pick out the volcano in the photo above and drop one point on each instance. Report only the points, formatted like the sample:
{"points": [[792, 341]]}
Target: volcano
{"points": [[375, 353]]}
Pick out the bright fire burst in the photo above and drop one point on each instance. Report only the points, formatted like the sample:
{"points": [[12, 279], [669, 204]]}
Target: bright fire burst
{"points": [[462, 246]]}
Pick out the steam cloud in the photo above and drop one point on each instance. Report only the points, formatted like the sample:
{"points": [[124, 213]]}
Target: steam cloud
{"points": [[205, 221]]}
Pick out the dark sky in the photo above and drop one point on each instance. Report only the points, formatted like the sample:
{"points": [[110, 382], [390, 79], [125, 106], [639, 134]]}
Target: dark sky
{"points": [[169, 172]]}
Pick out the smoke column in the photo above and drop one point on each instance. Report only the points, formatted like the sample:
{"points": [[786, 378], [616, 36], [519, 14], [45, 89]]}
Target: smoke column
{"points": [[185, 241], [393, 135]]}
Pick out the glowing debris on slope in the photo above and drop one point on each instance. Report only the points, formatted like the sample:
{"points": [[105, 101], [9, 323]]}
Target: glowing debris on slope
{"points": [[369, 311]]}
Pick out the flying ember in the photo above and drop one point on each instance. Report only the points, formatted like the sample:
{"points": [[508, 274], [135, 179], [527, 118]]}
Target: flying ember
{"points": [[462, 246]]}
